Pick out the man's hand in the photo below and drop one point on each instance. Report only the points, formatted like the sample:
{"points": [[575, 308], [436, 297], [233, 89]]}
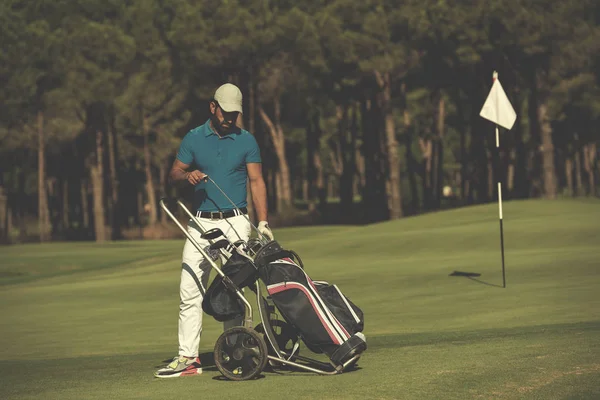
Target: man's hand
{"points": [[178, 174], [195, 177], [263, 228]]}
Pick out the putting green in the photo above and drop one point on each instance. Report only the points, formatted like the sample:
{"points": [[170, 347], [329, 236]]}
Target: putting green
{"points": [[88, 321]]}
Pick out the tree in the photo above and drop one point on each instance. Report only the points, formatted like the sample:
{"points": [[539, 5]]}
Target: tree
{"points": [[152, 104], [540, 40], [96, 53]]}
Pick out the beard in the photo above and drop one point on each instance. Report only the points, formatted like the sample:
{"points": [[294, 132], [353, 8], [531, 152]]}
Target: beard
{"points": [[223, 128]]}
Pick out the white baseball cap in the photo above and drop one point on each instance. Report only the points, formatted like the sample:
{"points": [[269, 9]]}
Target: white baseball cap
{"points": [[229, 97]]}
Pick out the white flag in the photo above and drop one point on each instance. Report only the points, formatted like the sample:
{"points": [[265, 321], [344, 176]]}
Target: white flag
{"points": [[497, 108]]}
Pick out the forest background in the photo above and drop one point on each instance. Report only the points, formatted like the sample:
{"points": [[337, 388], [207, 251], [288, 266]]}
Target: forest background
{"points": [[364, 111]]}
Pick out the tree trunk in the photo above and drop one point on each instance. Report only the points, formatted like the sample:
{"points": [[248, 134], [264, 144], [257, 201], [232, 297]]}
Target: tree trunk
{"points": [[351, 164], [54, 191], [314, 170], [520, 164], [330, 188], [304, 187], [164, 172], [412, 168], [252, 101], [550, 189], [465, 132], [43, 212], [438, 180], [150, 190], [85, 208], [426, 152], [346, 161], [21, 207], [569, 175], [281, 205], [140, 212], [578, 178], [360, 169], [321, 194], [375, 197], [384, 82], [9, 222], [312, 144], [463, 161], [97, 178], [534, 160], [114, 186], [3, 215], [335, 158], [65, 205], [411, 163], [369, 138], [589, 161], [271, 189], [511, 172], [276, 132], [435, 201], [541, 132], [478, 192]]}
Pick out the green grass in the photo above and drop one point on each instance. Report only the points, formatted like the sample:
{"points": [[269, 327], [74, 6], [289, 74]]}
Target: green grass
{"points": [[88, 321]]}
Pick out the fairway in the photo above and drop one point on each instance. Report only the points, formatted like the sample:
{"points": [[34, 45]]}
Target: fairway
{"points": [[94, 321]]}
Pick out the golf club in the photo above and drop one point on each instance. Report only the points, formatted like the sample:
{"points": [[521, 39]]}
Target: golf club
{"points": [[263, 238], [203, 252], [212, 234], [220, 244]]}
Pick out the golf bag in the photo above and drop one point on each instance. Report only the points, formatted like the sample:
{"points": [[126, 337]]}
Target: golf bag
{"points": [[219, 301], [326, 320]]}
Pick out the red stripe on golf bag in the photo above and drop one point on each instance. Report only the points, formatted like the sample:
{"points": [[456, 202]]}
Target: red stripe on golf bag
{"points": [[280, 287], [326, 320], [333, 318], [325, 315]]}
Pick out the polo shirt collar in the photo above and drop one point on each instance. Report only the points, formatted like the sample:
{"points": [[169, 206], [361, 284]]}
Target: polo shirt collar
{"points": [[210, 131]]}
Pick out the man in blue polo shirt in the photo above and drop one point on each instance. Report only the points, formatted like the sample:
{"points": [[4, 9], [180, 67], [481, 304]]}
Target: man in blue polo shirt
{"points": [[229, 156]]}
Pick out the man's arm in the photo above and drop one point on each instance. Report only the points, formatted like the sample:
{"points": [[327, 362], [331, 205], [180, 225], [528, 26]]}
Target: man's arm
{"points": [[179, 173], [258, 190]]}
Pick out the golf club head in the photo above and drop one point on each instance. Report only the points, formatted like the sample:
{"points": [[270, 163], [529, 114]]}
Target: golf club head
{"points": [[220, 244], [212, 234], [239, 243], [254, 245], [213, 254]]}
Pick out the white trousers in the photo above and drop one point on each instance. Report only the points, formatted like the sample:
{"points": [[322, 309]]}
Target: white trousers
{"points": [[195, 274]]}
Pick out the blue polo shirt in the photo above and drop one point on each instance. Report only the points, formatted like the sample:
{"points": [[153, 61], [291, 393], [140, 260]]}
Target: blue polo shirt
{"points": [[224, 161]]}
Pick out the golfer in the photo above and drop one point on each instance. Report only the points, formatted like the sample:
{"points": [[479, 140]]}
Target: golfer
{"points": [[229, 156]]}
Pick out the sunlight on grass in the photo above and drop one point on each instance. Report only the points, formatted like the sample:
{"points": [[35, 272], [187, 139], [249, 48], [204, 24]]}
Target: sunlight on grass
{"points": [[94, 321]]}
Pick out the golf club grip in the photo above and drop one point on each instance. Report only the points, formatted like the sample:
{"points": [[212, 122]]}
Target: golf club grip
{"points": [[276, 256], [297, 257]]}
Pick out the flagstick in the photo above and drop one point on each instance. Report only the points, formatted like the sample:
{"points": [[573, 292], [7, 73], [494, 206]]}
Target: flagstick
{"points": [[500, 212], [495, 76]]}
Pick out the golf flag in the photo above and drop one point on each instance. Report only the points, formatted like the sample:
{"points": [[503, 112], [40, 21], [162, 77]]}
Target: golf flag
{"points": [[497, 108]]}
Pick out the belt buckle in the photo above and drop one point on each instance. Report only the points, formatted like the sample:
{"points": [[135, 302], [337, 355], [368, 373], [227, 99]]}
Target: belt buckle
{"points": [[212, 215]]}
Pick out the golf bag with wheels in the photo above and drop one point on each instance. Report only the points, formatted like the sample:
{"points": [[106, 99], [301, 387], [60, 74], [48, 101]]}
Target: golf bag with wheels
{"points": [[219, 301], [326, 320]]}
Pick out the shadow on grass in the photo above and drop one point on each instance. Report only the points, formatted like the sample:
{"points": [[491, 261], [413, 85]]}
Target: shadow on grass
{"points": [[472, 276], [208, 364], [206, 359], [224, 379]]}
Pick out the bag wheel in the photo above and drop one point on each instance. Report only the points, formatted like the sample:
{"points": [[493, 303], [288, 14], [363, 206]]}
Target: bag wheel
{"points": [[240, 353], [285, 336]]}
